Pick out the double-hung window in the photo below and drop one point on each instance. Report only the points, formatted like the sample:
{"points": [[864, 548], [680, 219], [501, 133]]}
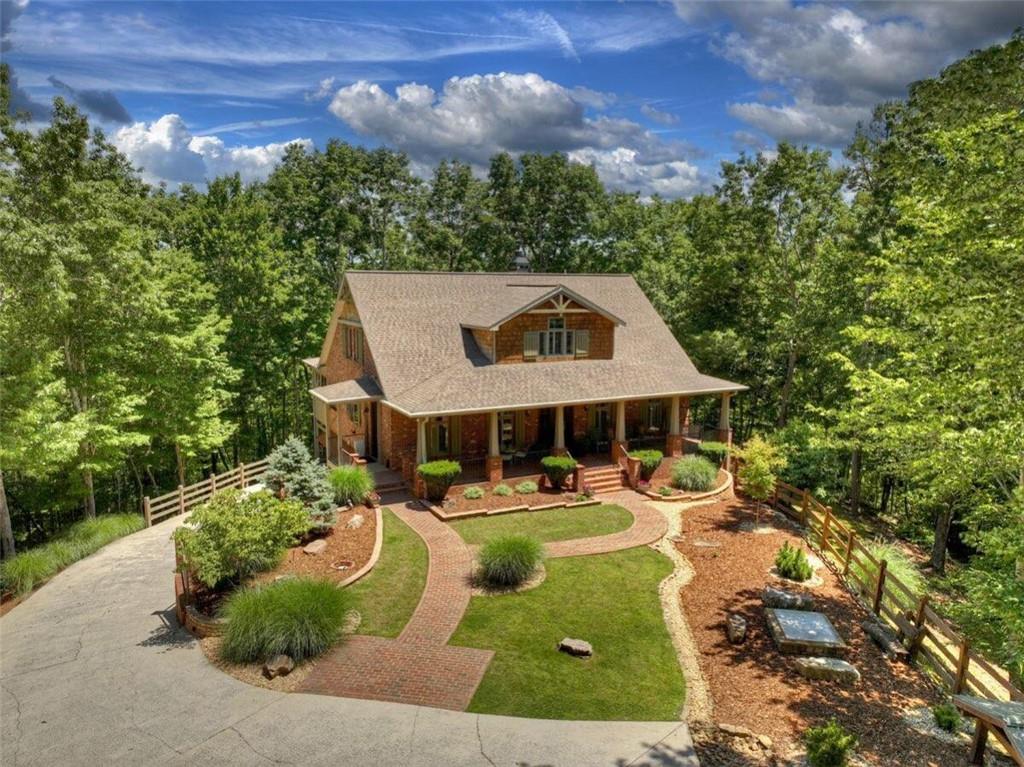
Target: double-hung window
{"points": [[353, 342], [557, 341]]}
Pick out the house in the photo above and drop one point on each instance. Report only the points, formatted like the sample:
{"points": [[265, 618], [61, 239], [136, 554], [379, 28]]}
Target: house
{"points": [[497, 369]]}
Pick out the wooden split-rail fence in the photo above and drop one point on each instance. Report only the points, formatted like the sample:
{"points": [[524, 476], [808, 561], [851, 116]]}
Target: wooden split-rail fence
{"points": [[186, 496], [925, 633]]}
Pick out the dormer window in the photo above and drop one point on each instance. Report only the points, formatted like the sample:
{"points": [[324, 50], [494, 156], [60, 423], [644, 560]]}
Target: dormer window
{"points": [[556, 341]]}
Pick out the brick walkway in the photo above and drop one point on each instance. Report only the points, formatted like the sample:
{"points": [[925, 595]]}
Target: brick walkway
{"points": [[649, 525]]}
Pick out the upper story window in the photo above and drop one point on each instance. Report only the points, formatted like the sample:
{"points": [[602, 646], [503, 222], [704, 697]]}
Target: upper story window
{"points": [[556, 341], [353, 342]]}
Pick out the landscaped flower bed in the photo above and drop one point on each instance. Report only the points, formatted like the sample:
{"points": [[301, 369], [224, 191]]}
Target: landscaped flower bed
{"points": [[660, 488], [518, 493]]}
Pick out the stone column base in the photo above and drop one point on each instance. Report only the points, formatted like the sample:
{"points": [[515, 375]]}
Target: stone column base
{"points": [[579, 477], [494, 466], [619, 449], [419, 487], [674, 445]]}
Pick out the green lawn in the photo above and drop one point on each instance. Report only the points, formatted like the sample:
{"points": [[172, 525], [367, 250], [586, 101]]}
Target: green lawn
{"points": [[548, 525], [609, 600], [387, 596]]}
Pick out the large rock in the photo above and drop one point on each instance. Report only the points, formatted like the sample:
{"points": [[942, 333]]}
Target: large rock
{"points": [[355, 522], [279, 665], [885, 639], [787, 600], [315, 547], [833, 669], [576, 647], [736, 628]]}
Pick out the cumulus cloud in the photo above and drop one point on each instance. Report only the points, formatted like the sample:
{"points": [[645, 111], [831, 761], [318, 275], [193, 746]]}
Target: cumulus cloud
{"points": [[626, 169], [166, 151], [9, 11], [837, 61], [665, 118], [475, 117], [103, 104]]}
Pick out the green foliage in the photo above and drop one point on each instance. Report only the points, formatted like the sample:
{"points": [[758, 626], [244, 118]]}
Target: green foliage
{"points": [[897, 563], [234, 535], [947, 717], [759, 462], [829, 745], [665, 490], [509, 560], [713, 451], [650, 460], [23, 572], [351, 484], [291, 468], [286, 461], [791, 562], [438, 476], [502, 490], [473, 493], [527, 487], [558, 468], [694, 473], [298, 617]]}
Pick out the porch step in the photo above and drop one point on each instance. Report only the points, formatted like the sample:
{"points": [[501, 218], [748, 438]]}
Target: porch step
{"points": [[605, 479]]}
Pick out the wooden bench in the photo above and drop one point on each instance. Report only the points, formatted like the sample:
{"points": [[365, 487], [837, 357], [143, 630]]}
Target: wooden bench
{"points": [[1004, 720]]}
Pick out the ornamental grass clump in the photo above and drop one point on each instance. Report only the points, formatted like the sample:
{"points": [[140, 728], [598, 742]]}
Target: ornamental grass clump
{"points": [[557, 468], [509, 560], [438, 476], [351, 484], [791, 563], [829, 745], [694, 473], [502, 491], [650, 460], [299, 617], [473, 493], [527, 487]]}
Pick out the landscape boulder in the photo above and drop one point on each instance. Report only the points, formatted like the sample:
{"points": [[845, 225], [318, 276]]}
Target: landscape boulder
{"points": [[576, 647], [315, 547], [736, 628], [833, 669], [787, 600], [355, 522], [279, 665]]}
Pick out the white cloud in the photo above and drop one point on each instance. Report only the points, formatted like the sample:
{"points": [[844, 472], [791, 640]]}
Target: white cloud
{"points": [[625, 169], [166, 151], [475, 117], [665, 118], [545, 26]]}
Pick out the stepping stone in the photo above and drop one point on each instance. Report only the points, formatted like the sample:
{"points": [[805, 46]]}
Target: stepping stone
{"points": [[787, 600], [832, 669], [576, 647], [315, 547]]}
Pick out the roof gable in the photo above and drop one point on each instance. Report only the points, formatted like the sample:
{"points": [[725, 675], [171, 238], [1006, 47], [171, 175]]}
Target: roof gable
{"points": [[518, 298]]}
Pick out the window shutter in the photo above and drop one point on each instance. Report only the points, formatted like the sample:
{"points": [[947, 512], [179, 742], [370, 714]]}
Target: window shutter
{"points": [[582, 339], [531, 344]]}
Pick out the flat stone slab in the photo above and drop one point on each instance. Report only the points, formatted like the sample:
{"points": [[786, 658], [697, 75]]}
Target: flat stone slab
{"points": [[832, 669], [799, 632]]}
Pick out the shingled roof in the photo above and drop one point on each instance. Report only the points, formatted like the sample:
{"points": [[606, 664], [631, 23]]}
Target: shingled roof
{"points": [[428, 362]]}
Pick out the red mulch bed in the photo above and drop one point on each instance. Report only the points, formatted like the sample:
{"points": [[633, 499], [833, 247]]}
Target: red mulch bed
{"points": [[662, 477], [754, 686], [454, 503]]}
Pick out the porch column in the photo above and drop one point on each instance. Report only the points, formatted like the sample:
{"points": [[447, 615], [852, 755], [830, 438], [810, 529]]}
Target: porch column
{"points": [[559, 447], [494, 462], [619, 446], [674, 442], [723, 413], [421, 441], [337, 421], [312, 445]]}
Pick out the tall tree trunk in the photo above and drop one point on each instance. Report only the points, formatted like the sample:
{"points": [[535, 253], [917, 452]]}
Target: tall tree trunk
{"points": [[855, 461], [942, 524], [6, 533], [90, 494], [887, 487], [787, 387], [180, 462]]}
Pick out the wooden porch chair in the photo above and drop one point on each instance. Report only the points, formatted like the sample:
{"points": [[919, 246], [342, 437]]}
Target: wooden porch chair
{"points": [[1004, 720]]}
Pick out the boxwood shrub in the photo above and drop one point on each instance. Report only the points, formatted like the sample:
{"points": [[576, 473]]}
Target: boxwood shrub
{"points": [[714, 451], [558, 468], [650, 460], [438, 476], [694, 473], [508, 560]]}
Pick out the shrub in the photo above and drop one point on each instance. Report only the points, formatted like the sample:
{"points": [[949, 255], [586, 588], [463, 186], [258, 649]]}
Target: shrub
{"points": [[284, 462], [351, 484], [291, 470], [792, 563], [526, 487], [473, 493], [299, 617], [502, 490], [588, 490], [760, 460], [23, 572], [714, 451], [234, 535], [663, 490], [558, 468], [438, 477], [694, 473], [650, 460], [580, 497], [829, 745], [509, 560], [946, 717]]}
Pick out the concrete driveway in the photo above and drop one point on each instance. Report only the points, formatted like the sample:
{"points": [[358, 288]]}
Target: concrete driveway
{"points": [[94, 670]]}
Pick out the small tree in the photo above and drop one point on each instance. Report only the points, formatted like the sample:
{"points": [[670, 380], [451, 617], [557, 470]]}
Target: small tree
{"points": [[292, 472], [759, 462], [286, 461]]}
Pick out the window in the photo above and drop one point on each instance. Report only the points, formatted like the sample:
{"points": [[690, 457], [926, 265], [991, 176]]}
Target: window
{"points": [[443, 437], [355, 414], [556, 341], [507, 432], [353, 342], [653, 415]]}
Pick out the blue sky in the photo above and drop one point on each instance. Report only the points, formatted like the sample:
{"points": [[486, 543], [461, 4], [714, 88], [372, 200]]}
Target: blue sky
{"points": [[654, 95]]}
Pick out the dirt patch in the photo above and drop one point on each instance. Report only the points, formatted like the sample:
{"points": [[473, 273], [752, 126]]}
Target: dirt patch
{"points": [[754, 686]]}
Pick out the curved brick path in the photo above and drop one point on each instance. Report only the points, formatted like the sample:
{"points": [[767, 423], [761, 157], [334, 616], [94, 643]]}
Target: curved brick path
{"points": [[419, 666]]}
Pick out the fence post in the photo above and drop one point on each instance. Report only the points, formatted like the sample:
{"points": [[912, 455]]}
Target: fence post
{"points": [[805, 509], [849, 551], [879, 587], [241, 475], [915, 643], [147, 515], [825, 527], [213, 483], [181, 499], [961, 667]]}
